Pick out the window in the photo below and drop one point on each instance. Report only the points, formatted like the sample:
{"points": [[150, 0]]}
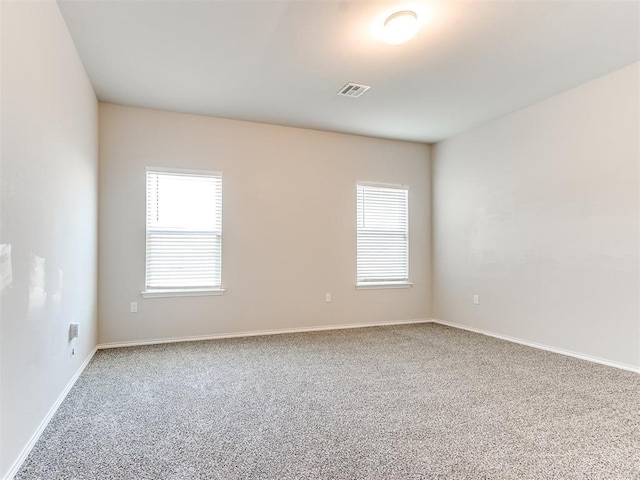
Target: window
{"points": [[383, 236], [184, 232]]}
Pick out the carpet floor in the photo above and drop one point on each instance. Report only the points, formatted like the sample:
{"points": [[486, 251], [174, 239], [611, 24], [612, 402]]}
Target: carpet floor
{"points": [[400, 402]]}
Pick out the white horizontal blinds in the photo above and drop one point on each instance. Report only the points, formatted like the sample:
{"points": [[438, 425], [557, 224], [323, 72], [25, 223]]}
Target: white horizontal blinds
{"points": [[184, 230], [383, 234]]}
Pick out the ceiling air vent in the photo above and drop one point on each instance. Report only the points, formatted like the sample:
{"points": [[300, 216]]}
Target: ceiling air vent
{"points": [[353, 90]]}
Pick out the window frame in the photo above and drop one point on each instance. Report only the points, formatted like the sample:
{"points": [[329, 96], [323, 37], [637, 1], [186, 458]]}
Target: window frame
{"points": [[158, 292], [384, 284]]}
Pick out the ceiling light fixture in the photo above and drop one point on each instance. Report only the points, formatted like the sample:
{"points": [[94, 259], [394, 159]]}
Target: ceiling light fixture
{"points": [[400, 27]]}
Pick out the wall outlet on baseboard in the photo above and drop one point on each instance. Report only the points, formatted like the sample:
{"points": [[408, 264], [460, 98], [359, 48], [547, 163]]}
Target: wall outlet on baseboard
{"points": [[327, 297], [476, 299], [134, 307]]}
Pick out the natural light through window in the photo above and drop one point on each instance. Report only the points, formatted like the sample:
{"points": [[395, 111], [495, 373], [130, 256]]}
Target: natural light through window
{"points": [[382, 235], [184, 231]]}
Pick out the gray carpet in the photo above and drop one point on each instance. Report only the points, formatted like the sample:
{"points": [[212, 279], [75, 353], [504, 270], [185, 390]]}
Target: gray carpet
{"points": [[402, 402]]}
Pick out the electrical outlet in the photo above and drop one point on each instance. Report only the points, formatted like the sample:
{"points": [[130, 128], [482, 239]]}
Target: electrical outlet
{"points": [[476, 299], [73, 330], [327, 297], [134, 307]]}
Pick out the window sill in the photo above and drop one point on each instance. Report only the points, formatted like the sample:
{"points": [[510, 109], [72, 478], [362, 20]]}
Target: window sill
{"points": [[378, 285], [182, 292]]}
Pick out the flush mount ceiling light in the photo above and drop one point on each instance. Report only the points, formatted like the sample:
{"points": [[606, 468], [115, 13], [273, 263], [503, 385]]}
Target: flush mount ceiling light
{"points": [[400, 27]]}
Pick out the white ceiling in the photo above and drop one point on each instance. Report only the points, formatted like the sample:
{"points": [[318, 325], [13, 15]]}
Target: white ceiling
{"points": [[282, 62]]}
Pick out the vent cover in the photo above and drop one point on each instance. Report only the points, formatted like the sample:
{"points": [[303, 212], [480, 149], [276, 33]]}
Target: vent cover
{"points": [[353, 90]]}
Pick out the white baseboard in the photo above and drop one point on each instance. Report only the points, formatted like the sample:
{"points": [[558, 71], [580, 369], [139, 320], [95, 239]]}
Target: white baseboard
{"points": [[541, 346], [256, 333], [54, 408]]}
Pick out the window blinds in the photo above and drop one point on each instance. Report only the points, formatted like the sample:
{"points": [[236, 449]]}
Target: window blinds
{"points": [[184, 230], [383, 234]]}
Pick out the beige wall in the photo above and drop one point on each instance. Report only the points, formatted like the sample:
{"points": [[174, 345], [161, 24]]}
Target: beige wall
{"points": [[48, 174], [537, 212], [288, 225]]}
